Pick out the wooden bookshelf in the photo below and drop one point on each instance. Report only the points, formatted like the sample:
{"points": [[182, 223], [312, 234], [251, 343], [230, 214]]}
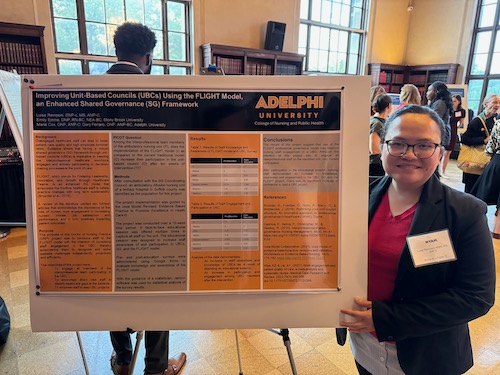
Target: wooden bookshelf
{"points": [[249, 61], [424, 75], [390, 77], [393, 77], [22, 48]]}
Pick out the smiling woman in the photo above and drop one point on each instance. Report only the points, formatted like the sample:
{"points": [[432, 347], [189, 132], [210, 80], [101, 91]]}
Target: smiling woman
{"points": [[429, 249]]}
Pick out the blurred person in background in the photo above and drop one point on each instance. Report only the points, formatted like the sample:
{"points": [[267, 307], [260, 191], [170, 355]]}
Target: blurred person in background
{"points": [[478, 133], [409, 95], [382, 107]]}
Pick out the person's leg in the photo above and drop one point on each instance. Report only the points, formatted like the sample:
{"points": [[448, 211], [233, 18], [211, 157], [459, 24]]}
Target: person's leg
{"points": [[469, 180], [444, 163], [122, 346], [362, 370], [156, 358], [496, 226]]}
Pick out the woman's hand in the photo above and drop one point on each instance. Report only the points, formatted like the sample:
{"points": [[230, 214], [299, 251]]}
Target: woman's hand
{"points": [[363, 320]]}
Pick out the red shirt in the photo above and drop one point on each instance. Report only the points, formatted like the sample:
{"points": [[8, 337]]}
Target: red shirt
{"points": [[386, 238]]}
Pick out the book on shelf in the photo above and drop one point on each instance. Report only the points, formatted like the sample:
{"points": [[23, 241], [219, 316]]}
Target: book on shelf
{"points": [[287, 69], [433, 77], [417, 79], [20, 53], [229, 65], [256, 68], [398, 78]]}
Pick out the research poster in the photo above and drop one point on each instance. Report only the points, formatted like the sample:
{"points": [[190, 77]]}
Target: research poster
{"points": [[163, 190], [186, 191]]}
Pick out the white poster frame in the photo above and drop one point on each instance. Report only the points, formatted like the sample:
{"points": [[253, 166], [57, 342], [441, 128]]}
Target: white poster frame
{"points": [[157, 311]]}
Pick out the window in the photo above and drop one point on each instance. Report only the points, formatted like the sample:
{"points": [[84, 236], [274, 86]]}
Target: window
{"points": [[483, 72], [332, 35], [84, 29]]}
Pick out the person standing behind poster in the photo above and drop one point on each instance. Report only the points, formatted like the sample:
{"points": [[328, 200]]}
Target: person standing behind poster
{"points": [[134, 44], [431, 262]]}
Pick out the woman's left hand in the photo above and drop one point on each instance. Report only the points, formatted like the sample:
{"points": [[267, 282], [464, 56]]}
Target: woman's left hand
{"points": [[363, 320]]}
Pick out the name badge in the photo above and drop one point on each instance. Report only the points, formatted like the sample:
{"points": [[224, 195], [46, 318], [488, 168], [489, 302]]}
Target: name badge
{"points": [[431, 248], [458, 114]]}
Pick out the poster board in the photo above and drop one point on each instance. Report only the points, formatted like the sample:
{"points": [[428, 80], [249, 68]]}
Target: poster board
{"points": [[462, 91], [10, 98], [90, 146], [396, 101]]}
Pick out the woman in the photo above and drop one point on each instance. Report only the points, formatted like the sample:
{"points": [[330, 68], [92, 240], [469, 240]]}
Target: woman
{"points": [[381, 106], [409, 95], [439, 99], [478, 131], [420, 297], [374, 92], [487, 187], [457, 117], [459, 113]]}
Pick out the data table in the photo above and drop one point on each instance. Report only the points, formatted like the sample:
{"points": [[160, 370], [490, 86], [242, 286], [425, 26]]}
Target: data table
{"points": [[224, 176]]}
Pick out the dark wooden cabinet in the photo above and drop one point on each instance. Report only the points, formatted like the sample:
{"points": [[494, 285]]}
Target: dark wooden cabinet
{"points": [[393, 77], [22, 48], [249, 61], [390, 77]]}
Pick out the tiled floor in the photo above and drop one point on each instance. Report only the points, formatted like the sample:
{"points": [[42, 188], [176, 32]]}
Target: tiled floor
{"points": [[209, 352]]}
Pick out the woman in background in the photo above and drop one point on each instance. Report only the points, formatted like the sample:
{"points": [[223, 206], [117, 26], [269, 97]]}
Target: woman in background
{"points": [[374, 91], [409, 95], [478, 131], [439, 99], [457, 117], [487, 187], [382, 107]]}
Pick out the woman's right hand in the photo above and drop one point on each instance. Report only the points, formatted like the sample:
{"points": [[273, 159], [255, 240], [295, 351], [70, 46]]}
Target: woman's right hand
{"points": [[486, 139]]}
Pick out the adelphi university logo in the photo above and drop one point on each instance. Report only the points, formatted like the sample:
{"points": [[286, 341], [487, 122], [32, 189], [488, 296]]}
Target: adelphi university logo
{"points": [[290, 102], [290, 107]]}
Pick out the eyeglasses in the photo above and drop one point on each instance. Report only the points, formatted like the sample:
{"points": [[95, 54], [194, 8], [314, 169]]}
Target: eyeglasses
{"points": [[422, 150]]}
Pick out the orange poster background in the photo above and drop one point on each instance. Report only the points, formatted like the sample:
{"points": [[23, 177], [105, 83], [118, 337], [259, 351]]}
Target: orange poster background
{"points": [[224, 270], [73, 212], [301, 241]]}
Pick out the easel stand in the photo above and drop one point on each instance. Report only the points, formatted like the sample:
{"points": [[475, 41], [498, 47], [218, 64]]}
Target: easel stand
{"points": [[139, 336], [82, 352], [283, 332]]}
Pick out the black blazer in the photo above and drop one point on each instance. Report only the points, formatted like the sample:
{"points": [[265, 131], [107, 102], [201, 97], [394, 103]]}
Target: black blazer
{"points": [[428, 314], [475, 133], [119, 68]]}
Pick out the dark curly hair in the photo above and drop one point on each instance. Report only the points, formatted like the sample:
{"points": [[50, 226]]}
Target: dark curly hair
{"points": [[134, 39]]}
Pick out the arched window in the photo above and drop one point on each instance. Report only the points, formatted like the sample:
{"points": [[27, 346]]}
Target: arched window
{"points": [[83, 32], [332, 35], [483, 71]]}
